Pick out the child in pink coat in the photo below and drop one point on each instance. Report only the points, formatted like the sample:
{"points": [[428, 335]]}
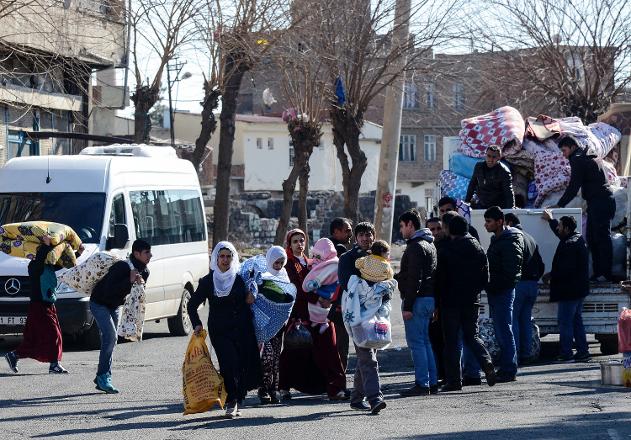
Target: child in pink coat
{"points": [[322, 279]]}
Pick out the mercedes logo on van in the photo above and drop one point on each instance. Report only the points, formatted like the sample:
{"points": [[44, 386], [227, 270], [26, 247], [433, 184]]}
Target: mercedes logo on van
{"points": [[12, 286]]}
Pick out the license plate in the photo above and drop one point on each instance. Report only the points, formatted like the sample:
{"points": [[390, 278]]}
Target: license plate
{"points": [[12, 320]]}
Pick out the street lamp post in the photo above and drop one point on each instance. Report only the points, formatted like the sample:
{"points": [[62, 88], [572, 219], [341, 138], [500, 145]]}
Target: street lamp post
{"points": [[176, 68]]}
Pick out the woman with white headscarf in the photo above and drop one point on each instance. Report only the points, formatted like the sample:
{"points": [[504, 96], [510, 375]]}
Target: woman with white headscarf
{"points": [[276, 258], [230, 324]]}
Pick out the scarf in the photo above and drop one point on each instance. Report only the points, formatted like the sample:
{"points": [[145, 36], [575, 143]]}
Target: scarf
{"points": [[223, 281], [274, 254]]}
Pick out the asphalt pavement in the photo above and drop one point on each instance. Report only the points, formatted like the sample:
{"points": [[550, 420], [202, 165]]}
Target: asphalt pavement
{"points": [[548, 401]]}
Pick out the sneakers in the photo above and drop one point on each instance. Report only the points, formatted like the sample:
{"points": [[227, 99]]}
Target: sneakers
{"points": [[274, 400], [360, 406], [471, 381], [264, 396], [582, 357], [104, 383], [451, 387], [232, 410], [376, 406], [12, 360], [56, 368], [416, 390]]}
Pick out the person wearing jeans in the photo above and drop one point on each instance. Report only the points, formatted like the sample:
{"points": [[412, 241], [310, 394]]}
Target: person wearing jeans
{"points": [[106, 299], [505, 256], [569, 284], [532, 269], [416, 284]]}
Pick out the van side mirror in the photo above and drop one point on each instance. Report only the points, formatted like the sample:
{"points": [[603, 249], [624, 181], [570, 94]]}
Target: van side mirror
{"points": [[120, 238]]}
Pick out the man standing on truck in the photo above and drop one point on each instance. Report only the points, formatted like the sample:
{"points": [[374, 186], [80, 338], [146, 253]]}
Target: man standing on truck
{"points": [[532, 270], [505, 255], [569, 285], [492, 181], [589, 176]]}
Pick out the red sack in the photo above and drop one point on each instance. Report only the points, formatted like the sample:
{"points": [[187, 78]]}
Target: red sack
{"points": [[624, 330]]}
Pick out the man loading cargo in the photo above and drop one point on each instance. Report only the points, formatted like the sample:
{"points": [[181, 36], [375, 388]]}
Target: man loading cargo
{"points": [[589, 176], [492, 182]]}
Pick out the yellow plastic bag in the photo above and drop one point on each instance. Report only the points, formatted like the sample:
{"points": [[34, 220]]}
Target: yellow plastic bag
{"points": [[202, 385], [626, 377], [33, 231]]}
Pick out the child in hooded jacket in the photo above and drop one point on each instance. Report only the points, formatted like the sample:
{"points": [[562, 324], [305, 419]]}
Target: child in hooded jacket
{"points": [[322, 279]]}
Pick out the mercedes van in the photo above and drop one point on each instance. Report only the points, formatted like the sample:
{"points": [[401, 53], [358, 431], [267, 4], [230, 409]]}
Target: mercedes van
{"points": [[110, 196]]}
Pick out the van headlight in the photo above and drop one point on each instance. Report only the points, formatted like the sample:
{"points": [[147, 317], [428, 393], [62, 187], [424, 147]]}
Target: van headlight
{"points": [[63, 289]]}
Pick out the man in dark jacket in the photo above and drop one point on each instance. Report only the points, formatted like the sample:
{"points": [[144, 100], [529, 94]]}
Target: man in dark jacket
{"points": [[341, 233], [364, 238], [569, 285], [492, 182], [526, 290], [505, 255], [459, 299], [589, 176], [107, 297], [416, 284], [448, 204]]}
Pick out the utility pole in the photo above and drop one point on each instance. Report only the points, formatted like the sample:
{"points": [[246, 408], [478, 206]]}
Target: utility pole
{"points": [[176, 68], [389, 155]]}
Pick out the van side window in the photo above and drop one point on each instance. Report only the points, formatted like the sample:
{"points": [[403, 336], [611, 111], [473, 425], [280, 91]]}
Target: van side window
{"points": [[117, 215], [168, 216]]}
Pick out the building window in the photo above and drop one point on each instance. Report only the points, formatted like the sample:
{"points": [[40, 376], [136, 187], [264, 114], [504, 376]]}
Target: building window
{"points": [[292, 153], [407, 148], [259, 143], [410, 95], [429, 96], [429, 147], [16, 148], [458, 90], [270, 143]]}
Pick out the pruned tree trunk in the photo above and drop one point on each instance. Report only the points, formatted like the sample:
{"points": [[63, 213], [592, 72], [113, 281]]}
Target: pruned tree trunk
{"points": [[143, 98], [289, 186], [233, 71], [303, 191], [209, 123]]}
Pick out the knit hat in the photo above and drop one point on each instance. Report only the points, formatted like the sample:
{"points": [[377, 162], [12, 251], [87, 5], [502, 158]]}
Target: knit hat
{"points": [[323, 250], [374, 268]]}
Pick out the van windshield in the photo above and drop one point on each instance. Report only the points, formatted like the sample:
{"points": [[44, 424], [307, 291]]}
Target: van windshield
{"points": [[83, 212]]}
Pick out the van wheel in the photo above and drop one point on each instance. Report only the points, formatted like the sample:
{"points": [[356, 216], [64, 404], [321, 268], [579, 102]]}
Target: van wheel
{"points": [[180, 325], [91, 338], [608, 344]]}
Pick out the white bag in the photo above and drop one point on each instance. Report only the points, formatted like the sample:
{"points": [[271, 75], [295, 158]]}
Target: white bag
{"points": [[373, 333], [133, 314]]}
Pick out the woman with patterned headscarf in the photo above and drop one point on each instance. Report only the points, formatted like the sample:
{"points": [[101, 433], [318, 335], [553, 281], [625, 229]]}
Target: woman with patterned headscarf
{"points": [[316, 369], [230, 324]]}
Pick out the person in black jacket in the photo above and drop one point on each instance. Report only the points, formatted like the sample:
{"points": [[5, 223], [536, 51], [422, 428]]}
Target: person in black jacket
{"points": [[416, 284], [492, 181], [589, 176], [341, 233], [106, 300], [459, 300], [448, 204], [42, 338], [505, 256], [569, 285], [526, 290]]}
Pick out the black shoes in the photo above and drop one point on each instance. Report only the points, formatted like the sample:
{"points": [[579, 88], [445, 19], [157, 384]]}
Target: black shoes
{"points": [[490, 374], [376, 406], [582, 357], [360, 406], [451, 387], [416, 390], [56, 368], [471, 381], [264, 396], [433, 389]]}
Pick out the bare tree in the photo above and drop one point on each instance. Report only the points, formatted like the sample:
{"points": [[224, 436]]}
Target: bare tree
{"points": [[356, 46], [237, 34], [575, 54], [306, 91], [163, 27]]}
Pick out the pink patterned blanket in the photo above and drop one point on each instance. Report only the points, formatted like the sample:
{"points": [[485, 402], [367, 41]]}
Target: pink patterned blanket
{"points": [[499, 127]]}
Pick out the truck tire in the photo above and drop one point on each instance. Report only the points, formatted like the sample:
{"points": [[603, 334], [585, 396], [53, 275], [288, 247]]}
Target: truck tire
{"points": [[608, 344], [180, 324], [91, 338]]}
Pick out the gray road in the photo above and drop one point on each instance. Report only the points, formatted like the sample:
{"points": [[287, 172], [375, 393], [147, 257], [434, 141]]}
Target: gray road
{"points": [[549, 401]]}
